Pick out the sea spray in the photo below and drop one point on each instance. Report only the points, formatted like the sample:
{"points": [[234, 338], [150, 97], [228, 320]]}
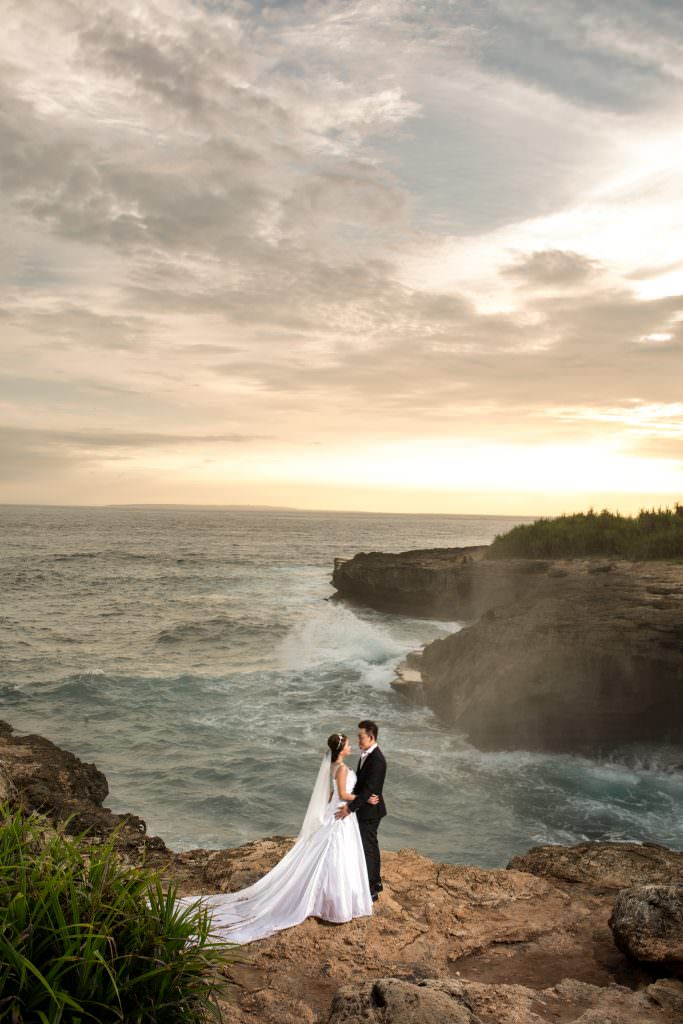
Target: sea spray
{"points": [[334, 634]]}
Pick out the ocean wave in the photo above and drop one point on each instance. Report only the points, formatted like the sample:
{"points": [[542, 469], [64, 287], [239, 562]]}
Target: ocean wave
{"points": [[222, 804], [333, 634], [73, 556], [220, 627], [89, 685]]}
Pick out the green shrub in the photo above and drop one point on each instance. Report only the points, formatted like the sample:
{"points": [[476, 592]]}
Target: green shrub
{"points": [[85, 938], [652, 534]]}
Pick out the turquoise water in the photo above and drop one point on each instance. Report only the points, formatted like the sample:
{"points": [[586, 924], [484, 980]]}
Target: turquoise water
{"points": [[193, 656]]}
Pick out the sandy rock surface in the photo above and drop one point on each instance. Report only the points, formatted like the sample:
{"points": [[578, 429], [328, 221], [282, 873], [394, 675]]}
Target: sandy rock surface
{"points": [[525, 945], [392, 1001], [508, 933]]}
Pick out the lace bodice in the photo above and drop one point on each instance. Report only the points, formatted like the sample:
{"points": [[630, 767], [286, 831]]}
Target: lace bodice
{"points": [[350, 783]]}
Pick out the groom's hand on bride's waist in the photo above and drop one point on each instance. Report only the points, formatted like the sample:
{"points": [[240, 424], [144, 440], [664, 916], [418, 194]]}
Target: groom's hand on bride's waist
{"points": [[344, 809]]}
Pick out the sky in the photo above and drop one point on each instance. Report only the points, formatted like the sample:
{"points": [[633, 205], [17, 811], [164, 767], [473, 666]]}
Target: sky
{"points": [[387, 255]]}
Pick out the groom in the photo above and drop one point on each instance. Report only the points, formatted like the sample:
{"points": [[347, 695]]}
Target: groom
{"points": [[372, 769]]}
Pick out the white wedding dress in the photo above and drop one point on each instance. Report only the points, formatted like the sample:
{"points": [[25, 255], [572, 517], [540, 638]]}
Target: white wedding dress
{"points": [[323, 875]]}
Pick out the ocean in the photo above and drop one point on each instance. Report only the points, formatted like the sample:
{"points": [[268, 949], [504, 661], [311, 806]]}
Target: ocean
{"points": [[194, 656]]}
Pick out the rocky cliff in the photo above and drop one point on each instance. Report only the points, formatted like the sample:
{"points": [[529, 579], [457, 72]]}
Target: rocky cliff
{"points": [[577, 655], [447, 943]]}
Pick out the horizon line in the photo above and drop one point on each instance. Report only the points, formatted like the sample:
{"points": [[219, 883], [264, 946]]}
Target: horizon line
{"points": [[264, 508]]}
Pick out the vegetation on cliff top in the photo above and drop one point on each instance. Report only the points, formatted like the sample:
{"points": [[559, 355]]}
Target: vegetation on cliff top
{"points": [[655, 533], [83, 937]]}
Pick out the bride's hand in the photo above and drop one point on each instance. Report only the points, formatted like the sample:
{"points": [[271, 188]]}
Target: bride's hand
{"points": [[374, 799]]}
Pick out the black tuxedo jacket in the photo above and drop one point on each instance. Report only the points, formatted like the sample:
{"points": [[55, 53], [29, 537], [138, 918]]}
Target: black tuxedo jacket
{"points": [[370, 780]]}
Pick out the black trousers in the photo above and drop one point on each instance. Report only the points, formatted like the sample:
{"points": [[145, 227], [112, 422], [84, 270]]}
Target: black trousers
{"points": [[368, 834]]}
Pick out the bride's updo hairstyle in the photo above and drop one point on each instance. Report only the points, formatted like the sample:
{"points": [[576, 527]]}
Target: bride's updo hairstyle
{"points": [[336, 742]]}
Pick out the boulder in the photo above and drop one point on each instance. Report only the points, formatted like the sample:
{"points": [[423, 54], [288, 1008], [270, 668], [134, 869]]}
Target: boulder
{"points": [[395, 1001], [647, 923]]}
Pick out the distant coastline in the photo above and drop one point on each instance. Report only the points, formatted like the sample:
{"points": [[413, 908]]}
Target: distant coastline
{"points": [[161, 506]]}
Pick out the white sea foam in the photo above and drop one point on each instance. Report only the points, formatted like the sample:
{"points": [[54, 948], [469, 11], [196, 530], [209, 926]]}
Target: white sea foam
{"points": [[333, 634]]}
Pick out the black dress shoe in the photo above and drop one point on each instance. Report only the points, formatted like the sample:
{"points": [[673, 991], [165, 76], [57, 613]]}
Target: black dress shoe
{"points": [[375, 897]]}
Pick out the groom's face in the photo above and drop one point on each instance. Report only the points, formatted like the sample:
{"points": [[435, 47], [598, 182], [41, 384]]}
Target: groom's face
{"points": [[365, 739]]}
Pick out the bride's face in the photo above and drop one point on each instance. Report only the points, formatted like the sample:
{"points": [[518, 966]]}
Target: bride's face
{"points": [[347, 749]]}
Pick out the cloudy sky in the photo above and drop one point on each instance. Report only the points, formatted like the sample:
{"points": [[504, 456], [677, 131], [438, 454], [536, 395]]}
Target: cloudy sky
{"points": [[391, 255]]}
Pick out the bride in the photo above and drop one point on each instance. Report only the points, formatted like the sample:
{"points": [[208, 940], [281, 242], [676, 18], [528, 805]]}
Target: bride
{"points": [[323, 875]]}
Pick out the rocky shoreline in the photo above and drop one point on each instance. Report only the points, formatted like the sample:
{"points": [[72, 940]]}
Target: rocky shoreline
{"points": [[529, 944], [579, 656]]}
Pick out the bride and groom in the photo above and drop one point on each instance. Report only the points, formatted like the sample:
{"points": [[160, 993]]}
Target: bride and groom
{"points": [[333, 869]]}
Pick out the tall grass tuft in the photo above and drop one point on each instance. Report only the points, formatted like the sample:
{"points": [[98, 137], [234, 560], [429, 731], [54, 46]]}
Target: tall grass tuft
{"points": [[652, 534], [84, 937]]}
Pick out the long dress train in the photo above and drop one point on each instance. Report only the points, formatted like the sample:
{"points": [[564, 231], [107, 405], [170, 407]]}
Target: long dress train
{"points": [[323, 875]]}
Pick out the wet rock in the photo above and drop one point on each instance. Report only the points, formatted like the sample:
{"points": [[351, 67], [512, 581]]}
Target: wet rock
{"points": [[408, 682], [647, 923]]}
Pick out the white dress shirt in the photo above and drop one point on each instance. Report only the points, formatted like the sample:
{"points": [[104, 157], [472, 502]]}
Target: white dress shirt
{"points": [[366, 753]]}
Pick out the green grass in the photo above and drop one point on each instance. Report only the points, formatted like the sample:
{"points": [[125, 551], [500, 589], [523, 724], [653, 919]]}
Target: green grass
{"points": [[84, 937], [652, 534]]}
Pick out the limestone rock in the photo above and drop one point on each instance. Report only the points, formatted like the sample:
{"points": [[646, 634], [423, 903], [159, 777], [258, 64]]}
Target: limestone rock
{"points": [[52, 781], [568, 655], [394, 1001], [8, 791], [668, 993], [436, 583], [606, 865], [647, 923]]}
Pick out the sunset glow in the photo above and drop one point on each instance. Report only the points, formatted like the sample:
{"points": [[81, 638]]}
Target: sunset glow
{"points": [[368, 255]]}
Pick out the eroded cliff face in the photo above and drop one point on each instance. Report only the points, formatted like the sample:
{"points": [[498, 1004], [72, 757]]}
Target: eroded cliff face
{"points": [[530, 944], [578, 656], [447, 583]]}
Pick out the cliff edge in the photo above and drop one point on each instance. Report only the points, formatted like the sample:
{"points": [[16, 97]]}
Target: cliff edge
{"points": [[574, 655], [530, 944]]}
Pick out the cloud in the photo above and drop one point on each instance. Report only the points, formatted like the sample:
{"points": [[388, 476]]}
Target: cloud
{"points": [[661, 447], [103, 441], [551, 267], [272, 224]]}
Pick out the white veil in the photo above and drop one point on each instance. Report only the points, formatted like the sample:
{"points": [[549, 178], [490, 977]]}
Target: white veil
{"points": [[317, 805]]}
